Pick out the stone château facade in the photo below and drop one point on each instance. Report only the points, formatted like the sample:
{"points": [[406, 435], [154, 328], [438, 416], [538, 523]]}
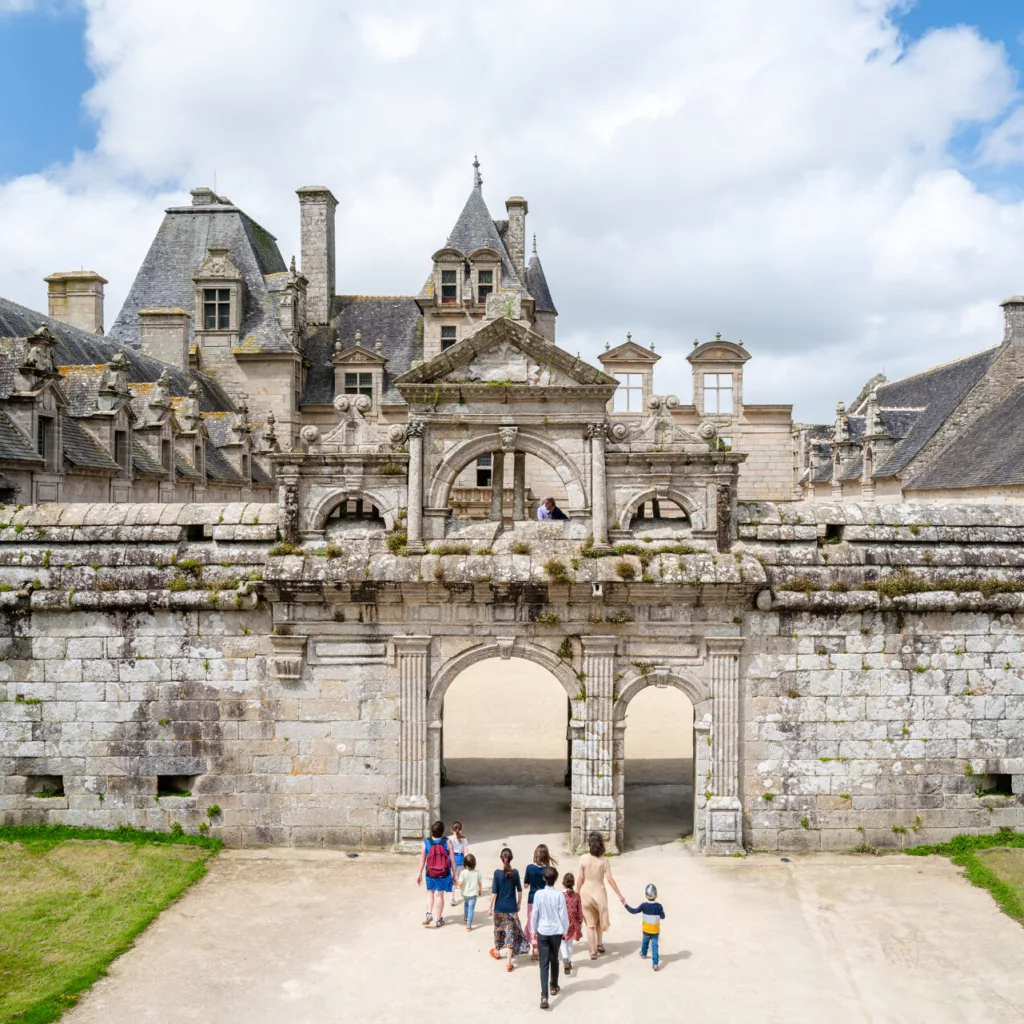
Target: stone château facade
{"points": [[273, 666]]}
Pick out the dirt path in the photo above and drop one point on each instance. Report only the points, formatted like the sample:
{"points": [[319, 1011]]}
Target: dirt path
{"points": [[308, 937]]}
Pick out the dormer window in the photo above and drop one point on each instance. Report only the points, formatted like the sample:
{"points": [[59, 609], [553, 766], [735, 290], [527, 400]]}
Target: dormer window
{"points": [[448, 337], [217, 309], [359, 384], [718, 393], [165, 454], [484, 285], [629, 395], [449, 287]]}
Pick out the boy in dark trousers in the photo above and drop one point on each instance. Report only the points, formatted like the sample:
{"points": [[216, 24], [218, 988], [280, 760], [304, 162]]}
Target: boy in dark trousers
{"points": [[653, 914]]}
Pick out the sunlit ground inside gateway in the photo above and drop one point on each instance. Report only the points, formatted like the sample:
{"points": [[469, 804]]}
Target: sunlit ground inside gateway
{"points": [[506, 755]]}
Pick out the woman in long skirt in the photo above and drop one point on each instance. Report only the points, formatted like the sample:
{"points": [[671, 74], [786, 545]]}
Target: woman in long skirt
{"points": [[506, 898]]}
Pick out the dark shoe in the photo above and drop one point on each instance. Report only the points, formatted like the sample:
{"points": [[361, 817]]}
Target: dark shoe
{"points": [[544, 1002], [567, 967], [555, 989]]}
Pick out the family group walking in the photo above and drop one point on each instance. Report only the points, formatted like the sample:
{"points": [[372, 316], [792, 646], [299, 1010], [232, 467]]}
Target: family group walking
{"points": [[554, 919]]}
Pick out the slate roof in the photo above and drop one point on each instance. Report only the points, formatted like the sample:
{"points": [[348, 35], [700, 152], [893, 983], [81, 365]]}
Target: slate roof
{"points": [[184, 469], [989, 453], [937, 392], [537, 286], [218, 468], [143, 464], [258, 473], [180, 245], [14, 445], [81, 449], [79, 348], [395, 319], [475, 226], [220, 430]]}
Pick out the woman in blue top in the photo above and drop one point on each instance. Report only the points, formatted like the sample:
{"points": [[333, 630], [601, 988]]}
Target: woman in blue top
{"points": [[534, 881], [506, 897], [438, 859]]}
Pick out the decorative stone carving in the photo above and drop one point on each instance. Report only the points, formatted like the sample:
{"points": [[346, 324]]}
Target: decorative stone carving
{"points": [[115, 376], [397, 433], [414, 428], [286, 662], [707, 430], [290, 527], [161, 397], [505, 644], [38, 358], [310, 434], [217, 266], [723, 534], [508, 438], [596, 430], [617, 432]]}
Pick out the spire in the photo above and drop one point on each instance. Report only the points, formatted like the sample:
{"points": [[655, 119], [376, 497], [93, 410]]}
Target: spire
{"points": [[477, 180], [535, 243]]}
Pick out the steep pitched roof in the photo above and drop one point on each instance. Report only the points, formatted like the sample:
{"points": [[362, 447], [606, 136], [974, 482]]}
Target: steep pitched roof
{"points": [[14, 445], [394, 319], [989, 453], [78, 348], [83, 450], [143, 464], [937, 392], [180, 246], [537, 284], [218, 468], [475, 227]]}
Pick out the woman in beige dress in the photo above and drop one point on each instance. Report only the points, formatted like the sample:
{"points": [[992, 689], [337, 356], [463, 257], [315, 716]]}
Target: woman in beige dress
{"points": [[594, 872]]}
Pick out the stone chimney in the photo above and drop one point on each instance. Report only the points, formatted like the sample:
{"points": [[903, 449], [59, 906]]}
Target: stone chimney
{"points": [[1013, 317], [515, 234], [164, 331], [316, 239], [203, 196], [76, 298]]}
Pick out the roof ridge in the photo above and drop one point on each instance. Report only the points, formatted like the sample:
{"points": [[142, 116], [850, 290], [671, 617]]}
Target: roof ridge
{"points": [[938, 366]]}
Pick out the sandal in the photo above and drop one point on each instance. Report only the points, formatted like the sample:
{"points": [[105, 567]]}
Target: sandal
{"points": [[600, 949], [495, 954], [428, 921], [511, 967], [593, 956]]}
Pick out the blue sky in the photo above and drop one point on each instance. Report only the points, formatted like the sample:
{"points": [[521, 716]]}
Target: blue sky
{"points": [[843, 200]]}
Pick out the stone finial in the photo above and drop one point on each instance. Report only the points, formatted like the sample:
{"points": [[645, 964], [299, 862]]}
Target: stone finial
{"points": [[535, 243], [337, 347], [607, 345], [1013, 320], [115, 375], [269, 435], [38, 358], [477, 179], [629, 337], [378, 346], [652, 346], [695, 342], [359, 339], [718, 335]]}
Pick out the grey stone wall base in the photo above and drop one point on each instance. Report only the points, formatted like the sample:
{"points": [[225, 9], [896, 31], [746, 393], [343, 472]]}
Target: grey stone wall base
{"points": [[724, 833], [412, 823]]}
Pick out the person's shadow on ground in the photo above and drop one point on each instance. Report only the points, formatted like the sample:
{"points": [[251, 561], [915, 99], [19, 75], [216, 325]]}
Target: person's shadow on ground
{"points": [[570, 985]]}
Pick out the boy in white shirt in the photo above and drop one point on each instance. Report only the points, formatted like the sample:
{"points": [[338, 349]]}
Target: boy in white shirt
{"points": [[550, 923]]}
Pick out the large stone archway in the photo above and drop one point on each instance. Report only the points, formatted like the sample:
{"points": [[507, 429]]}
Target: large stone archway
{"points": [[686, 502], [461, 455], [321, 501]]}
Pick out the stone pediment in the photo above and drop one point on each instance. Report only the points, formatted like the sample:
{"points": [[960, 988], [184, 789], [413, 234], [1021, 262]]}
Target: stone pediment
{"points": [[358, 355], [505, 352], [629, 352], [718, 351]]}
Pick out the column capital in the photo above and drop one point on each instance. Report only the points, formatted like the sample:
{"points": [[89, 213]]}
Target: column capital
{"points": [[597, 430], [599, 644], [411, 644], [724, 644], [414, 428]]}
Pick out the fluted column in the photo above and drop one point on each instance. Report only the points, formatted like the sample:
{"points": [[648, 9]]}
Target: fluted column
{"points": [[412, 808], [497, 485], [519, 487], [596, 791], [724, 833], [414, 513], [598, 486]]}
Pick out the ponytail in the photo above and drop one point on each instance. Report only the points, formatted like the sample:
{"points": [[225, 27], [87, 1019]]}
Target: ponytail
{"points": [[457, 829], [542, 857], [506, 860]]}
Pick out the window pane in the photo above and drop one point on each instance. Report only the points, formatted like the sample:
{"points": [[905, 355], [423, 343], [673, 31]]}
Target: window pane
{"points": [[484, 460], [209, 294], [351, 380], [224, 317], [210, 317], [486, 276], [725, 400], [448, 332], [366, 380], [711, 380], [447, 277], [621, 399]]}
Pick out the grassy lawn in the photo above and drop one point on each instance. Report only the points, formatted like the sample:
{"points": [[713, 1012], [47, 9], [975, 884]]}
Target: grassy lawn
{"points": [[71, 900], [994, 862]]}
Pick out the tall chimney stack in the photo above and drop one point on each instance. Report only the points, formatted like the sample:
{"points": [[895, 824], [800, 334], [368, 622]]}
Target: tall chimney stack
{"points": [[165, 335], [515, 234], [76, 298], [316, 238], [1013, 319]]}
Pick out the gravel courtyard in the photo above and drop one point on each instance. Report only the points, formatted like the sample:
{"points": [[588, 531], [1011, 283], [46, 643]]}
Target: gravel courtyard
{"points": [[313, 937]]}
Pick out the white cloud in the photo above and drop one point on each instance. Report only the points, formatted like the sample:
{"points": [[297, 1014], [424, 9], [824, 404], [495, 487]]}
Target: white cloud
{"points": [[781, 173]]}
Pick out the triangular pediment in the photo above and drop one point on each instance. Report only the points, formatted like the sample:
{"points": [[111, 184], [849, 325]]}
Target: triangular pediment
{"points": [[506, 352], [358, 355], [629, 352]]}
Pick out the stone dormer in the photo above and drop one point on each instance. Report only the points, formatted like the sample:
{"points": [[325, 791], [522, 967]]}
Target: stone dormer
{"points": [[632, 366], [359, 371], [718, 379], [220, 293]]}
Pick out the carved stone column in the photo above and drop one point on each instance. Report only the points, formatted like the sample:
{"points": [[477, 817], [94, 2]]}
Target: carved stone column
{"points": [[519, 487], [414, 520], [412, 808], [598, 486], [497, 485], [595, 796], [724, 825]]}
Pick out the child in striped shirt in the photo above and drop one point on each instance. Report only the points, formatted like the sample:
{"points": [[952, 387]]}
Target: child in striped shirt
{"points": [[653, 914]]}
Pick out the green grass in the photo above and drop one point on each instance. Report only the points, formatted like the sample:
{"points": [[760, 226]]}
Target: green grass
{"points": [[989, 862], [73, 899]]}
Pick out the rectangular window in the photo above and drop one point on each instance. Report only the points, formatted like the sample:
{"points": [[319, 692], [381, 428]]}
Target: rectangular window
{"points": [[718, 392], [44, 441], [359, 384], [484, 284], [483, 471], [629, 395], [449, 287], [721, 444], [448, 337], [121, 448], [217, 309], [165, 454]]}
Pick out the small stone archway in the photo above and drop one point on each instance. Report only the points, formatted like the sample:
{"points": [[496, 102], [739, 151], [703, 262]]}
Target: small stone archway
{"points": [[504, 648], [688, 504], [461, 455], [321, 502], [697, 694]]}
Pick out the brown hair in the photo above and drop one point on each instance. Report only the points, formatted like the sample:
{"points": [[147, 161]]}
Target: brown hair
{"points": [[595, 841], [457, 829], [506, 862], [569, 881], [550, 876], [437, 829], [542, 856], [470, 861]]}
